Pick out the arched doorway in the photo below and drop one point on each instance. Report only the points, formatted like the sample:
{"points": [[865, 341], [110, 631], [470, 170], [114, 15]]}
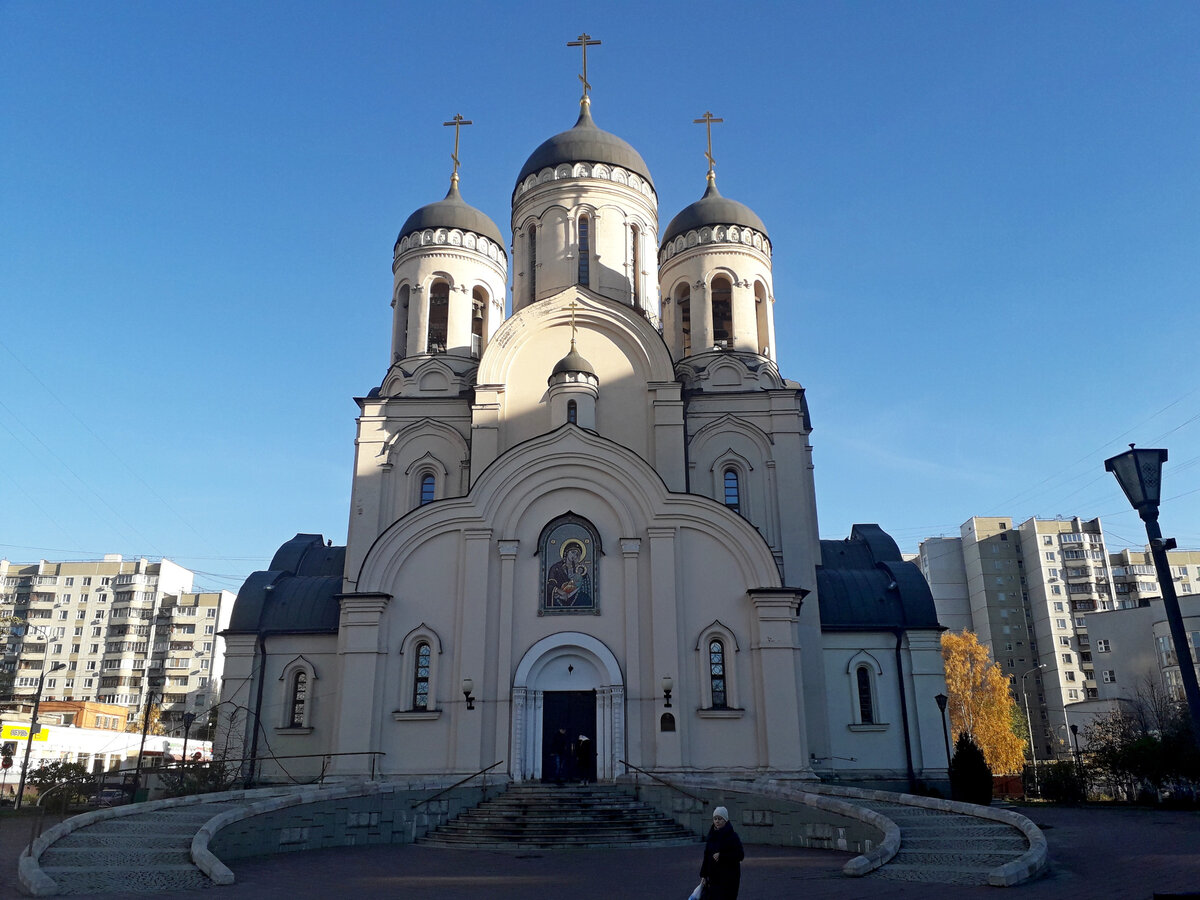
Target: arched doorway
{"points": [[554, 680]]}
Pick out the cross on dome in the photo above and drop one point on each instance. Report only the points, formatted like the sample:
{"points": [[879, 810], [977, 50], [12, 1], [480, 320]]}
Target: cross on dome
{"points": [[708, 118], [584, 41], [458, 121]]}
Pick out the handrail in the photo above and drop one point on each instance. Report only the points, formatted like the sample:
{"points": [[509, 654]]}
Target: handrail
{"points": [[417, 803], [673, 787]]}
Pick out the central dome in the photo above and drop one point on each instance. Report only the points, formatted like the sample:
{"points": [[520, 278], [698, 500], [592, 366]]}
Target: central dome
{"points": [[585, 143]]}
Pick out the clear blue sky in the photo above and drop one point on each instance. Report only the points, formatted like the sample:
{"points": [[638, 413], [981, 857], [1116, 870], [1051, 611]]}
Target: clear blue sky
{"points": [[985, 217]]}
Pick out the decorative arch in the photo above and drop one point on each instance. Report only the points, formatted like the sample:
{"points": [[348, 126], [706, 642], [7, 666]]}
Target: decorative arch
{"points": [[427, 466], [569, 660], [296, 695], [863, 672], [716, 648], [419, 654]]}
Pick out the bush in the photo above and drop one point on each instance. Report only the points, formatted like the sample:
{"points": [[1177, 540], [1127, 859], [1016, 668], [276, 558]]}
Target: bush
{"points": [[1062, 782], [970, 777]]}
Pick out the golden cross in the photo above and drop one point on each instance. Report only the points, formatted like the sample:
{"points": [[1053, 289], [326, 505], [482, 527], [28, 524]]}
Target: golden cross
{"points": [[458, 121], [584, 41], [708, 119], [574, 304]]}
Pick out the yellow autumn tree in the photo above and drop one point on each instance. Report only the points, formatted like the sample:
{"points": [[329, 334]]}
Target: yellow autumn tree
{"points": [[980, 703]]}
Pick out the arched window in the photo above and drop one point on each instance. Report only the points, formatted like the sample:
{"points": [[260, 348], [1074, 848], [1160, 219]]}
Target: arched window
{"points": [[683, 305], [866, 699], [585, 251], [572, 412], [400, 326], [635, 238], [732, 494], [439, 308], [762, 311], [428, 488], [479, 310], [424, 655], [532, 263], [298, 699], [716, 674], [722, 312]]}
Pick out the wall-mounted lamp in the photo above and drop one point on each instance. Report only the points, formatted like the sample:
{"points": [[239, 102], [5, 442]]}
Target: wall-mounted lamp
{"points": [[667, 685], [468, 686]]}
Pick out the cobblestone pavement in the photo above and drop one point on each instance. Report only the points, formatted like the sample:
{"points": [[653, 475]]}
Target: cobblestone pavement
{"points": [[1097, 854]]}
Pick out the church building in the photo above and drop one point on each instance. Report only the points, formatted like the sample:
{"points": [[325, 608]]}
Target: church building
{"points": [[585, 508]]}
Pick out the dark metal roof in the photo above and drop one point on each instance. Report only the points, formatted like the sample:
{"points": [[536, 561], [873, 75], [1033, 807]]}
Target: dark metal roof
{"points": [[573, 362], [585, 143], [297, 594], [451, 212], [712, 209], [863, 584]]}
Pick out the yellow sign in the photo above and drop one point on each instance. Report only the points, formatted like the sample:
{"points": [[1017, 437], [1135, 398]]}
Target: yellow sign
{"points": [[21, 733]]}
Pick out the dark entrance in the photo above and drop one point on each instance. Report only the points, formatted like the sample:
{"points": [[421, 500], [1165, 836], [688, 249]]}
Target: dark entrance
{"points": [[575, 713]]}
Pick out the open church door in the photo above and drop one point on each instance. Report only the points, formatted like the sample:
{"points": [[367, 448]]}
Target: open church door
{"points": [[565, 716]]}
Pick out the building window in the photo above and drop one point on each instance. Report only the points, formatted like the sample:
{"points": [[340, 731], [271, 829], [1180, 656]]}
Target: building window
{"points": [[428, 488], [585, 251], [716, 674], [722, 312], [479, 311], [635, 275], [1069, 675], [421, 676], [1050, 556], [572, 412], [732, 493], [439, 310], [532, 263], [683, 307], [866, 700], [298, 699], [1109, 676]]}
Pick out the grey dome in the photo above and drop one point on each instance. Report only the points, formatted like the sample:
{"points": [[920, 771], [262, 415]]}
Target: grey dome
{"points": [[573, 362], [452, 212], [712, 209], [585, 143]]}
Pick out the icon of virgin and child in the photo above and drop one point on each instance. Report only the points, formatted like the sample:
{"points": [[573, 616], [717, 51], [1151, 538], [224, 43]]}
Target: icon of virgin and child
{"points": [[569, 581]]}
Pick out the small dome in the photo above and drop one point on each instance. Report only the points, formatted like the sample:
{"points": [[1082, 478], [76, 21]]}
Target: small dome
{"points": [[585, 143], [573, 362], [452, 212], [712, 209]]}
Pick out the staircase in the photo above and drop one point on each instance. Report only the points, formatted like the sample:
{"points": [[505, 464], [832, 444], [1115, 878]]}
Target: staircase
{"points": [[145, 853], [946, 848], [554, 817]]}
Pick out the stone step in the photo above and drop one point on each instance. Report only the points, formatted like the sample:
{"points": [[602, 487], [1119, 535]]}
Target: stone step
{"points": [[133, 856], [1015, 844], [125, 880]]}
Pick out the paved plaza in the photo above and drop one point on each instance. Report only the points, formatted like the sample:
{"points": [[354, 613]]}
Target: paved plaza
{"points": [[1123, 854]]}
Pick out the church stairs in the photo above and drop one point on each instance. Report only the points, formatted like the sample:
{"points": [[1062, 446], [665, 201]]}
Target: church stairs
{"points": [[561, 817]]}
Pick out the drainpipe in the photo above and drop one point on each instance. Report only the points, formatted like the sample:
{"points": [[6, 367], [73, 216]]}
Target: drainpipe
{"points": [[908, 758], [262, 679]]}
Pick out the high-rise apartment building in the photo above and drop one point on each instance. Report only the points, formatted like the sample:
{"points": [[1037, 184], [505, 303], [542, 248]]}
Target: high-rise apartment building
{"points": [[1026, 590], [117, 628]]}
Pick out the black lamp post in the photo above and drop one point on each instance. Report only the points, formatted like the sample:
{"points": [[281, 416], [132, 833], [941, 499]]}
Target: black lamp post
{"points": [[1139, 472], [33, 728], [942, 700], [188, 719], [151, 684]]}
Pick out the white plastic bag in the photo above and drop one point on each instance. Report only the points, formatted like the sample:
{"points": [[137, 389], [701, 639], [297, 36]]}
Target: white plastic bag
{"points": [[697, 891]]}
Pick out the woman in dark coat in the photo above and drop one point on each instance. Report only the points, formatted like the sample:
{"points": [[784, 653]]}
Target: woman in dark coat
{"points": [[721, 870]]}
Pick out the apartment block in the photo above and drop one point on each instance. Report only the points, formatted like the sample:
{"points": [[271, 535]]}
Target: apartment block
{"points": [[118, 628], [1028, 590]]}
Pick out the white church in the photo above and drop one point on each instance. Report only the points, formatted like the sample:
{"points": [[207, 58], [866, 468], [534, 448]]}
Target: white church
{"points": [[587, 506]]}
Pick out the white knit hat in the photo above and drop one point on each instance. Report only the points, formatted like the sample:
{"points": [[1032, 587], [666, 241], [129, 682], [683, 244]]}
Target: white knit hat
{"points": [[722, 812]]}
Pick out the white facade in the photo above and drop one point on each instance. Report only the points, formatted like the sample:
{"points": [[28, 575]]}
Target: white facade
{"points": [[560, 538]]}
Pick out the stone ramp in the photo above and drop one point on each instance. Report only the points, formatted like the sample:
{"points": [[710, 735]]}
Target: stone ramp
{"points": [[560, 817]]}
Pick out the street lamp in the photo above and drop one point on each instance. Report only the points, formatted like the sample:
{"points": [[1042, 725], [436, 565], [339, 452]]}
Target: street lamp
{"points": [[151, 683], [33, 727], [1037, 788], [1139, 472], [942, 700], [188, 719]]}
